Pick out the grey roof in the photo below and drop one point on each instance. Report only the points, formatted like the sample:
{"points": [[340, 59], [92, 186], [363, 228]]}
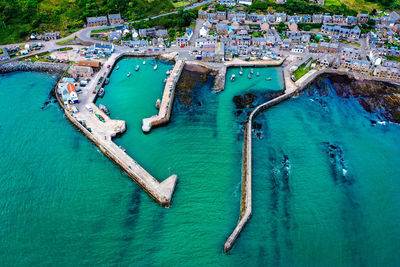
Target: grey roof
{"points": [[114, 16], [96, 19]]}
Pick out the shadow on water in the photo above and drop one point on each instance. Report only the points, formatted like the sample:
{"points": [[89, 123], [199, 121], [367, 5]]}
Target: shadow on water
{"points": [[131, 221]]}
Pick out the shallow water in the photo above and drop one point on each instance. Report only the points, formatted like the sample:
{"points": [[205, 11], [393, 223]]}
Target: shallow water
{"points": [[70, 205]]}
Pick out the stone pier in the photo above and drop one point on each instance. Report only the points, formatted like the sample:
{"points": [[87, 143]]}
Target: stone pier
{"points": [[164, 113]]}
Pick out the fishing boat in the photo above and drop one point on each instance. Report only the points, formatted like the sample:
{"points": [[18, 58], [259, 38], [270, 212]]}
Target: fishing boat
{"points": [[104, 109], [137, 67], [268, 78], [101, 92], [251, 71], [128, 74], [257, 74], [249, 76], [117, 68], [155, 67], [158, 103], [144, 62], [233, 77]]}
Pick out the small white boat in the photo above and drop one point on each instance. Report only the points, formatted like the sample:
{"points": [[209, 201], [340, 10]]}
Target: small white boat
{"points": [[249, 76], [158, 103], [137, 67], [251, 71], [257, 74], [117, 68], [129, 74], [240, 72], [155, 67], [268, 78], [168, 72], [144, 62], [233, 77]]}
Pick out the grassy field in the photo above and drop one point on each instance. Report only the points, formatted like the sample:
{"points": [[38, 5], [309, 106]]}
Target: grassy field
{"points": [[303, 69], [180, 3], [358, 5], [393, 58], [66, 41], [349, 43]]}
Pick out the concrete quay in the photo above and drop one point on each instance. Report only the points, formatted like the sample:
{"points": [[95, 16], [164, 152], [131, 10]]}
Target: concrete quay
{"points": [[102, 133], [164, 113]]}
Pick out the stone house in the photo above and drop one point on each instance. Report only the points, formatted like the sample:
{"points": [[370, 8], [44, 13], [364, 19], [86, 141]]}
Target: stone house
{"points": [[96, 21], [115, 19], [363, 18]]}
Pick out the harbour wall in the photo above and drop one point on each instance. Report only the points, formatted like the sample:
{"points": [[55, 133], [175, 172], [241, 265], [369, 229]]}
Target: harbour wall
{"points": [[47, 67]]}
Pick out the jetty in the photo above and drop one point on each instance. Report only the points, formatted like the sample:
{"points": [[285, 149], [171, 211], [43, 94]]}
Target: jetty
{"points": [[101, 130], [164, 113]]}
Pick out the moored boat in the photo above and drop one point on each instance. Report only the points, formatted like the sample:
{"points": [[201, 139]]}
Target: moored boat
{"points": [[249, 76], [257, 74], [137, 67], [128, 74], [101, 92], [117, 68], [233, 77], [106, 81], [155, 67], [144, 62], [268, 78], [104, 109], [251, 71], [158, 103]]}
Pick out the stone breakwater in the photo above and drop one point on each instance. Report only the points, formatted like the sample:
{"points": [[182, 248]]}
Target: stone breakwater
{"points": [[56, 68]]}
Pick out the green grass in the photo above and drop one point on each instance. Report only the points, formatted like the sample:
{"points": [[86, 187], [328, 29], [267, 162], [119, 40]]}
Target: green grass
{"points": [[350, 43], [180, 4], [66, 41], [303, 69], [393, 58], [103, 30], [1, 51]]}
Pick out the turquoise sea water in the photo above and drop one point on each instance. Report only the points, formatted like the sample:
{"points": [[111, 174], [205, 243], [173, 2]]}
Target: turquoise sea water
{"points": [[62, 202]]}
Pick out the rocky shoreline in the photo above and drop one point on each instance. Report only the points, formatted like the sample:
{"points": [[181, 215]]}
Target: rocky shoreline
{"points": [[47, 67], [381, 98]]}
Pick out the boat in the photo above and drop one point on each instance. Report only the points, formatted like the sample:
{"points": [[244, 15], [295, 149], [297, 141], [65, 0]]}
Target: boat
{"points": [[100, 117], [123, 149], [155, 67], [249, 76], [137, 67], [101, 92], [233, 77], [104, 109], [129, 74], [251, 71], [144, 62], [268, 78], [158, 103], [106, 81], [168, 72], [257, 74], [240, 72], [165, 80], [117, 68]]}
